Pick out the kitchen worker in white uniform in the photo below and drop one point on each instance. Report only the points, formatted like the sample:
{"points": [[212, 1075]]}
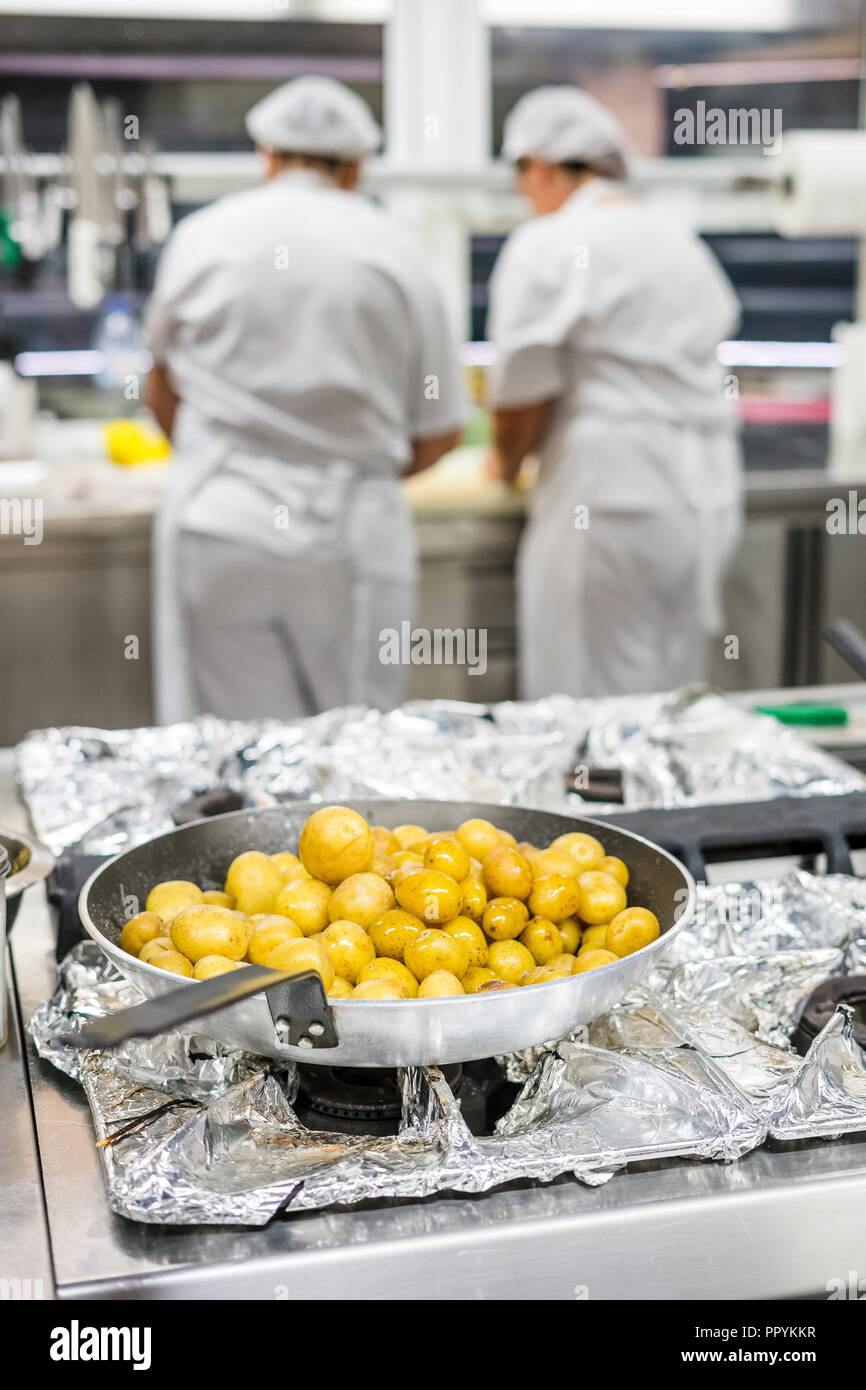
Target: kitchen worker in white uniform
{"points": [[302, 364], [606, 316]]}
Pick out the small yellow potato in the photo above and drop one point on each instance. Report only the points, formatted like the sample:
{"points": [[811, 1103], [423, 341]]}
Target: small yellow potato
{"points": [[505, 918], [569, 930], [541, 975], [153, 948], [287, 863], [586, 850], [434, 950], [494, 986], [528, 851], [591, 960], [384, 968], [208, 966], [214, 897], [465, 930], [171, 897], [305, 901], [440, 983], [254, 881], [408, 856], [360, 898], [475, 977], [593, 938], [268, 919], [473, 897], [478, 837], [173, 962], [506, 873], [340, 989], [631, 930], [554, 861], [509, 960], [349, 947], [542, 939], [410, 866], [432, 896], [385, 840], [392, 932], [383, 988], [563, 964], [143, 927], [269, 932], [385, 865], [210, 931], [555, 897], [293, 872], [616, 868], [446, 855], [297, 956], [601, 898], [408, 835], [336, 842]]}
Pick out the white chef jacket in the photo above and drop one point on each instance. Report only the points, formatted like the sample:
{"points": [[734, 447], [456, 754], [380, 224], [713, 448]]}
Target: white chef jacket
{"points": [[314, 303], [616, 313], [309, 346]]}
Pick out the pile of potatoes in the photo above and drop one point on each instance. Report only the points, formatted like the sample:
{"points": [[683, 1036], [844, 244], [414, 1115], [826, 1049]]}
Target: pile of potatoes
{"points": [[401, 914]]}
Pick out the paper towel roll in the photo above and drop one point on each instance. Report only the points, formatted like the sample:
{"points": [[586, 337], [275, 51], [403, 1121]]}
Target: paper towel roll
{"points": [[822, 183]]}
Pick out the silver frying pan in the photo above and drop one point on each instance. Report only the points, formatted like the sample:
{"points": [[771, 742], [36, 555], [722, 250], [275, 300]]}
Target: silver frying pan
{"points": [[386, 1033]]}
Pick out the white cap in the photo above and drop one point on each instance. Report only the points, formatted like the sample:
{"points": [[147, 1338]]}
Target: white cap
{"points": [[564, 125], [315, 116]]}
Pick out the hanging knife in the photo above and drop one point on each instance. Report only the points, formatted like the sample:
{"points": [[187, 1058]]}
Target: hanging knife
{"points": [[86, 270]]}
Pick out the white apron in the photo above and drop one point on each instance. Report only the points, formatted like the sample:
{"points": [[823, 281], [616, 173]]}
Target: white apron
{"points": [[347, 512], [621, 567]]}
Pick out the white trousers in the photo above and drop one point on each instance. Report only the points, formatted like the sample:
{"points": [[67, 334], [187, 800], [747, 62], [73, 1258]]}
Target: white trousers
{"points": [[616, 609], [271, 636]]}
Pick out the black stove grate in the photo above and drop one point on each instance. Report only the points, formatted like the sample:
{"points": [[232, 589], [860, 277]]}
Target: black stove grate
{"points": [[805, 826], [367, 1100]]}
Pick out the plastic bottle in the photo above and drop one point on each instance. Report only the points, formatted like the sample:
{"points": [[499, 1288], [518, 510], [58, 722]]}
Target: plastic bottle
{"points": [[118, 339]]}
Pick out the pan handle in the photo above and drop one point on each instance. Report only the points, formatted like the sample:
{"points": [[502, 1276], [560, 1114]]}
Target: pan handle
{"points": [[302, 1017], [301, 1014]]}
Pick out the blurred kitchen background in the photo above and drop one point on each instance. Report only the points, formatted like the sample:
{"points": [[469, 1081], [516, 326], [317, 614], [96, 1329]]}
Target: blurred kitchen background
{"points": [[123, 115]]}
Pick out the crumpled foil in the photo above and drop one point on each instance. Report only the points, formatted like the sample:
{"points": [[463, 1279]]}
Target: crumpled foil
{"points": [[107, 789], [697, 1064]]}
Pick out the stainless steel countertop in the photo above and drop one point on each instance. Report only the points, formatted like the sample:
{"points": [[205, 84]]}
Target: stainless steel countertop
{"points": [[798, 495], [773, 1225]]}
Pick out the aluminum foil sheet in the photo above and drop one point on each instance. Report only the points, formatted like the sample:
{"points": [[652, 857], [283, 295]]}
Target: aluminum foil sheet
{"points": [[106, 790], [698, 1065], [827, 1097], [797, 912]]}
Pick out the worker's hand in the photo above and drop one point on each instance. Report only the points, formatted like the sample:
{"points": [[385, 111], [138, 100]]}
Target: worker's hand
{"points": [[493, 468]]}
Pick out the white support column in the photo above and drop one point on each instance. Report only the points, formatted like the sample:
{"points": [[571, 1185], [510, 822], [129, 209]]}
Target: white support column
{"points": [[437, 118], [437, 85]]}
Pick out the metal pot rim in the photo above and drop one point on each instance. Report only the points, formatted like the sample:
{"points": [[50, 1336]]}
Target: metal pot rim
{"points": [[338, 1005], [39, 863]]}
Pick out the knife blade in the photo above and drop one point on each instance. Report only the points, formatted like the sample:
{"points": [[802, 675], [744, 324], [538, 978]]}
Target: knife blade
{"points": [[86, 262]]}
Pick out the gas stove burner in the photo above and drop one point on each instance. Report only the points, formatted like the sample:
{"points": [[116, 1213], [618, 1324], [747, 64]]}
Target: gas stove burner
{"points": [[821, 1004], [367, 1100]]}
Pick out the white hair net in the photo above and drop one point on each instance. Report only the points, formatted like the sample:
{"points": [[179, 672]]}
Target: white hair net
{"points": [[316, 116], [565, 125]]}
